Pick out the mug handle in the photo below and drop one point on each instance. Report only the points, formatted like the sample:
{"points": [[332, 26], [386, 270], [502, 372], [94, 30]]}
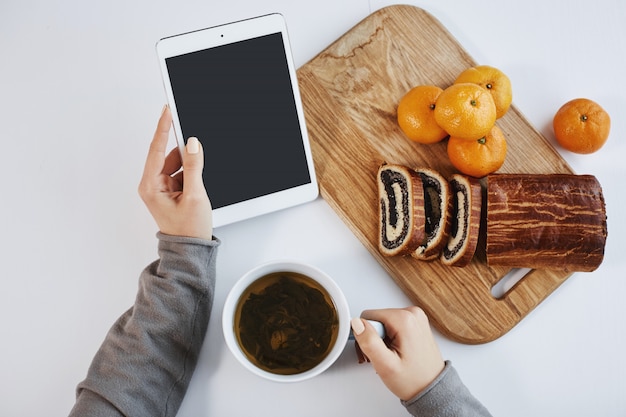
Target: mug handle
{"points": [[378, 326]]}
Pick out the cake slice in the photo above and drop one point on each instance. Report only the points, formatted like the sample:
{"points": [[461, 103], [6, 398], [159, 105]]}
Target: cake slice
{"points": [[401, 208], [467, 203], [437, 206]]}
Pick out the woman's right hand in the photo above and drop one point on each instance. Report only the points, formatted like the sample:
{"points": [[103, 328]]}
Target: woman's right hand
{"points": [[408, 359]]}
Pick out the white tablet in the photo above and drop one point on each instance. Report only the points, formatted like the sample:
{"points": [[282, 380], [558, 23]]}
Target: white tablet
{"points": [[235, 88]]}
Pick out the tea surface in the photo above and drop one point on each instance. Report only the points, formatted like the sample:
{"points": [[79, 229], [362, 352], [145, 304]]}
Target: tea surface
{"points": [[286, 323]]}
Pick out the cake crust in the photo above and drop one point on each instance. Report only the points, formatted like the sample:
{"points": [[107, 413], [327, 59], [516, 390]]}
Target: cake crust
{"points": [[555, 221]]}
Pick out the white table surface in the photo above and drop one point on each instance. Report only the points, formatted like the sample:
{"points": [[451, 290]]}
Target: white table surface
{"points": [[80, 93]]}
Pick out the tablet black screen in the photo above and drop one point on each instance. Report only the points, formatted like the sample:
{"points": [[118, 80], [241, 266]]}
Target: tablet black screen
{"points": [[237, 99]]}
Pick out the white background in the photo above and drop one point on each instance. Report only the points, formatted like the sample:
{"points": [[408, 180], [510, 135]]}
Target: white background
{"points": [[80, 94]]}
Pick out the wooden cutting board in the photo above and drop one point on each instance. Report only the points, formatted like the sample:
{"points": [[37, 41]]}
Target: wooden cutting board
{"points": [[350, 92]]}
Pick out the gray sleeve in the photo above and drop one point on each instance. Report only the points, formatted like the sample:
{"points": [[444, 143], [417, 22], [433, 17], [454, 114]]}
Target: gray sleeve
{"points": [[147, 359], [446, 396]]}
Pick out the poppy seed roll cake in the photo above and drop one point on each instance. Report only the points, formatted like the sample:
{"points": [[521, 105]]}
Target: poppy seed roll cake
{"points": [[552, 221], [467, 206], [437, 205], [401, 209]]}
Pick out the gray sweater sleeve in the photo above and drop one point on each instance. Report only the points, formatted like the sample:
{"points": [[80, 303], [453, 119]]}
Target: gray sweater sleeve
{"points": [[147, 359], [446, 396]]}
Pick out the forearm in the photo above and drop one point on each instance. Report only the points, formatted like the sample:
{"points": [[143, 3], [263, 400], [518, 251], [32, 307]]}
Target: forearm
{"points": [[145, 363], [446, 396]]}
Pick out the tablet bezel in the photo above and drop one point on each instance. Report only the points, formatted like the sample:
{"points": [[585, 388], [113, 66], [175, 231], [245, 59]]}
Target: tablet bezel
{"points": [[222, 35]]}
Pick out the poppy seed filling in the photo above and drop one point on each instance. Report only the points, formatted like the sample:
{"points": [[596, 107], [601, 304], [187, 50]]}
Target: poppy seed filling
{"points": [[432, 204], [392, 210], [458, 234]]}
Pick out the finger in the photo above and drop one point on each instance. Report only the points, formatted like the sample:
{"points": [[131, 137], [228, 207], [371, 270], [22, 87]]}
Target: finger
{"points": [[173, 162], [396, 321], [395, 317], [388, 316], [370, 343], [158, 146], [193, 163]]}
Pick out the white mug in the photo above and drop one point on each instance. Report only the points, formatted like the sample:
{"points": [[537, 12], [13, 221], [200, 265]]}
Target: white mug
{"points": [[333, 290]]}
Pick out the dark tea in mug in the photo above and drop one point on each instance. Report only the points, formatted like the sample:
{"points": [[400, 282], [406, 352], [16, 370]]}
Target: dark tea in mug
{"points": [[286, 323]]}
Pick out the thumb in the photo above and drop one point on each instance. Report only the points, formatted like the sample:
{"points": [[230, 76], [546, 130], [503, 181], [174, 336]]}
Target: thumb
{"points": [[193, 164], [370, 342]]}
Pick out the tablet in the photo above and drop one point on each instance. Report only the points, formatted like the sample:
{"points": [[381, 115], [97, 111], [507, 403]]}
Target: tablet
{"points": [[234, 87]]}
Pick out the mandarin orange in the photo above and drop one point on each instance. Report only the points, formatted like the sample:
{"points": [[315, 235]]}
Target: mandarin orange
{"points": [[495, 81], [416, 114], [581, 126], [478, 157], [465, 110]]}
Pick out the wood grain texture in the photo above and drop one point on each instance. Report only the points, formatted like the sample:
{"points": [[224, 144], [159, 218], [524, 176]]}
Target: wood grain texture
{"points": [[350, 92]]}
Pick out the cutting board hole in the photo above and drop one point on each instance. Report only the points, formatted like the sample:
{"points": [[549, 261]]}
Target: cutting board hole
{"points": [[507, 282]]}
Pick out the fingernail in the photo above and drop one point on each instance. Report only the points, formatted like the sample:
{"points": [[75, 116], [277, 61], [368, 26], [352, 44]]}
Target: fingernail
{"points": [[164, 108], [357, 326], [193, 146]]}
